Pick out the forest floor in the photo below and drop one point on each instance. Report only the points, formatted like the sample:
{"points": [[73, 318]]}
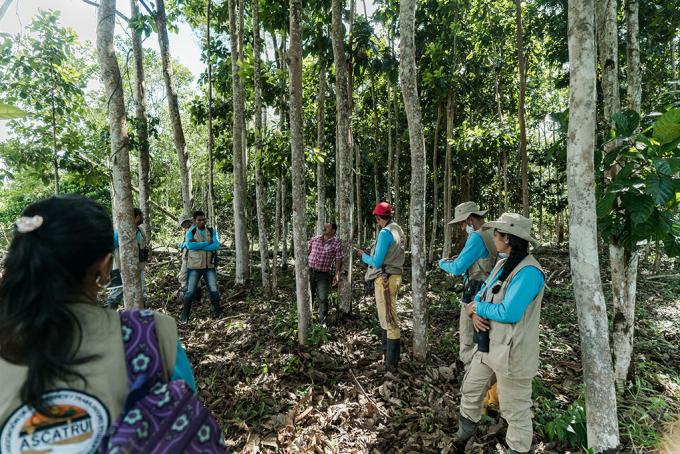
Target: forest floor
{"points": [[334, 396]]}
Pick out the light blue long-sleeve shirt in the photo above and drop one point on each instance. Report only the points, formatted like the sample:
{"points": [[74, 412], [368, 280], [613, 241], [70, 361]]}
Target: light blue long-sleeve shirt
{"points": [[201, 245], [382, 246], [182, 369], [474, 250], [521, 291], [138, 238]]}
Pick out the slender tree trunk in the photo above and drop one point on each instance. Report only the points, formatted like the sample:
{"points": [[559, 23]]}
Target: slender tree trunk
{"points": [[435, 184], [320, 143], [277, 233], [390, 145], [284, 221], [376, 137], [4, 7], [240, 228], [173, 107], [298, 171], [211, 139], [397, 152], [55, 155], [602, 423], [141, 123], [344, 161], [260, 194], [409, 84], [674, 60], [521, 62], [448, 174], [633, 55], [120, 158]]}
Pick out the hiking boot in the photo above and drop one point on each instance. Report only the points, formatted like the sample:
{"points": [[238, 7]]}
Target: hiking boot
{"points": [[466, 429], [186, 312], [216, 309], [323, 312], [392, 354]]}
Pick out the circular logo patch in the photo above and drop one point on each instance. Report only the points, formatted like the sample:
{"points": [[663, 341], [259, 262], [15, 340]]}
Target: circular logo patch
{"points": [[78, 425]]}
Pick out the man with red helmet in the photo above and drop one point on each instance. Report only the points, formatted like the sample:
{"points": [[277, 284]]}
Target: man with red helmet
{"points": [[385, 267]]}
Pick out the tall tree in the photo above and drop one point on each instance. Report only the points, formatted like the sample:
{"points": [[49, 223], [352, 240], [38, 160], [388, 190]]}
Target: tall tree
{"points": [[409, 84], [238, 117], [633, 55], [120, 158], [298, 172], [320, 143], [344, 156], [173, 107], [521, 63], [435, 183], [141, 120], [448, 174], [260, 194], [602, 423], [211, 138]]}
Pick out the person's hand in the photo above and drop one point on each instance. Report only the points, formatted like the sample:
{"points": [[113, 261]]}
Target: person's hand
{"points": [[480, 324], [470, 309], [336, 279], [359, 253]]}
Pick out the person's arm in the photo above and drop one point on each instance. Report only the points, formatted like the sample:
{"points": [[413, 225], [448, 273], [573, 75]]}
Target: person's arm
{"points": [[521, 291], [182, 369], [214, 244], [474, 250], [194, 245], [115, 239], [384, 242]]}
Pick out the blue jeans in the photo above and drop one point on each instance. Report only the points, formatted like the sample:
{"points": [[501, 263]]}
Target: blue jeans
{"points": [[194, 276]]}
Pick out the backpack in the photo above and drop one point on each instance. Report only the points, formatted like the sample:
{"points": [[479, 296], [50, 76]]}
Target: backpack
{"points": [[214, 259], [158, 417]]}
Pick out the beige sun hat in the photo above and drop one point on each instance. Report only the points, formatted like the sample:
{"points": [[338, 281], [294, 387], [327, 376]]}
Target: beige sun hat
{"points": [[464, 210], [184, 219], [514, 224]]}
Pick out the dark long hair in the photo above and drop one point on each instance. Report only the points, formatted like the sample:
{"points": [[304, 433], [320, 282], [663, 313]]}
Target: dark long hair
{"points": [[43, 267], [520, 249]]}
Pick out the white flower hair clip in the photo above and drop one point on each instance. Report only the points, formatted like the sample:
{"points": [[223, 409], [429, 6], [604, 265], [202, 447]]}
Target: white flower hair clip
{"points": [[27, 224]]}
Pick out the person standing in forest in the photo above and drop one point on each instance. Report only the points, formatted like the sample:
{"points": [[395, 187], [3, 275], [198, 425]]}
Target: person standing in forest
{"points": [[202, 244], [185, 223], [115, 294], [508, 307], [385, 267], [324, 253], [473, 263]]}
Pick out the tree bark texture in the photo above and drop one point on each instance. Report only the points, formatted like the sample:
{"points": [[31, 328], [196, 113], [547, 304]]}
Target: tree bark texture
{"points": [[173, 107], [409, 84], [633, 55], [260, 194], [320, 143], [448, 175], [344, 157], [120, 158], [602, 422], [239, 200], [608, 56], [521, 63], [141, 124], [277, 233], [435, 184], [397, 153], [211, 139], [674, 60]]}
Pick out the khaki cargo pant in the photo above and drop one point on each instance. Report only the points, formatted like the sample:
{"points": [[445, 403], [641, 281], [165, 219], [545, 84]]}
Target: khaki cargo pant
{"points": [[394, 282], [514, 396], [465, 332]]}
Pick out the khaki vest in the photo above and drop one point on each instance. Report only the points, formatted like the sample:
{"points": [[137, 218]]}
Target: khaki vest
{"points": [[513, 348], [394, 260], [479, 270], [106, 374], [199, 260]]}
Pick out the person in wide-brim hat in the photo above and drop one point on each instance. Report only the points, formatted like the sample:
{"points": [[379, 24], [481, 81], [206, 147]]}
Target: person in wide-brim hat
{"points": [[514, 224], [464, 210]]}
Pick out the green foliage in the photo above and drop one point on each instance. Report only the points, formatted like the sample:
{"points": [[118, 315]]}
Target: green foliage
{"points": [[639, 202], [8, 111]]}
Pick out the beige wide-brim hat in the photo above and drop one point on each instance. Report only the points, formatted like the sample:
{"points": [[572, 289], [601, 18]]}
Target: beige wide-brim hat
{"points": [[514, 224], [464, 210], [184, 219]]}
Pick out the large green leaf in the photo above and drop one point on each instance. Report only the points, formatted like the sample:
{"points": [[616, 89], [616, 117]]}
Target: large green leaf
{"points": [[604, 205], [660, 187], [640, 208], [667, 127], [663, 166], [626, 122], [8, 112]]}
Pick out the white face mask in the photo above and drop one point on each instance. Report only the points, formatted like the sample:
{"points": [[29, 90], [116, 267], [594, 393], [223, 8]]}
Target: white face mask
{"points": [[469, 229], [503, 255]]}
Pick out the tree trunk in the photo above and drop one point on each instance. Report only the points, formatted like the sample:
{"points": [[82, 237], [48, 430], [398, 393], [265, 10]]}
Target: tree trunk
{"points": [[521, 62], [376, 137], [239, 200], [674, 61], [344, 161], [211, 139], [277, 233], [397, 152], [602, 422], [298, 172], [320, 143], [448, 174], [390, 145], [607, 47], [141, 123], [55, 156], [633, 55], [435, 184], [284, 221], [409, 84], [173, 107], [120, 158], [4, 7], [260, 194]]}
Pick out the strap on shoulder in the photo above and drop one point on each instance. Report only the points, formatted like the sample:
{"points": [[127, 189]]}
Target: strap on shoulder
{"points": [[140, 343]]}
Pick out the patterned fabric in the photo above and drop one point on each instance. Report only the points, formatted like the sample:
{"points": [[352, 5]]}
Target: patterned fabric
{"points": [[159, 417], [323, 254]]}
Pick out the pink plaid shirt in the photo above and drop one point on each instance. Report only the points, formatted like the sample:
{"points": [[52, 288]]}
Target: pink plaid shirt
{"points": [[323, 254]]}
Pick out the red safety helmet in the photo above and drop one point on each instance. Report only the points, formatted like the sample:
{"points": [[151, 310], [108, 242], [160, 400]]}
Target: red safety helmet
{"points": [[383, 209]]}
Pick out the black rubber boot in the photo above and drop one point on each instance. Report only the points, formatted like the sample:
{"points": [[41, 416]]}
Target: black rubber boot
{"points": [[216, 309], [186, 312], [392, 354], [384, 342], [466, 429]]}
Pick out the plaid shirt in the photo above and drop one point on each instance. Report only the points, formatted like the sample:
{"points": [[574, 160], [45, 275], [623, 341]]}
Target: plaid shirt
{"points": [[323, 254]]}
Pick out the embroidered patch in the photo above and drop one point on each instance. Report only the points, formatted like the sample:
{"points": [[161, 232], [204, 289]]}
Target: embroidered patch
{"points": [[79, 427]]}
